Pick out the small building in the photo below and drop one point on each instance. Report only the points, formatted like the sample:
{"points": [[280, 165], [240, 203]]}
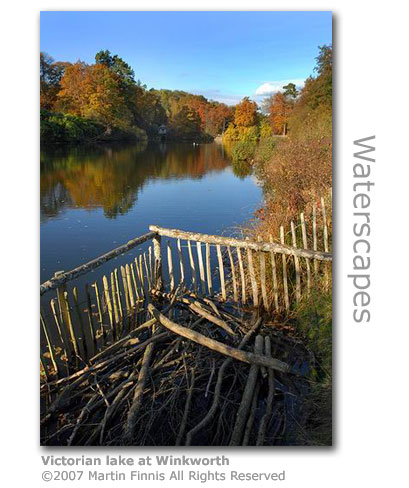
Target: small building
{"points": [[162, 130]]}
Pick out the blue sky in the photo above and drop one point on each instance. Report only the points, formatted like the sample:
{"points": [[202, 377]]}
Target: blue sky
{"points": [[222, 55]]}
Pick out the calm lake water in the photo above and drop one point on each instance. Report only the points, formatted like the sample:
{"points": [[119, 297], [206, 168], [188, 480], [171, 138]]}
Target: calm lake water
{"points": [[95, 199]]}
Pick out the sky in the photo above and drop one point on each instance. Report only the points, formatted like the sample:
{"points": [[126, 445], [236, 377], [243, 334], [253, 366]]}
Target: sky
{"points": [[221, 55]]}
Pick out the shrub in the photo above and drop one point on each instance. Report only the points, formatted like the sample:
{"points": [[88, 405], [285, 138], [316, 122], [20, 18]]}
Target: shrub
{"points": [[265, 149], [243, 150]]}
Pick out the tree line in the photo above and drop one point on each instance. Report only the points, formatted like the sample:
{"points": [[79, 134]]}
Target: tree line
{"points": [[81, 101]]}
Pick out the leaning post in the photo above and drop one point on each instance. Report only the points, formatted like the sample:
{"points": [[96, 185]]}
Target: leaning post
{"points": [[158, 261]]}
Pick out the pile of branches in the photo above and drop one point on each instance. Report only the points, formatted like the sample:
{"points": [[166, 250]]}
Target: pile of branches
{"points": [[194, 373]]}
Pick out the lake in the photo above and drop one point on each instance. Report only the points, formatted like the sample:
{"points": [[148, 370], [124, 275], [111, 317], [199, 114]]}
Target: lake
{"points": [[93, 199]]}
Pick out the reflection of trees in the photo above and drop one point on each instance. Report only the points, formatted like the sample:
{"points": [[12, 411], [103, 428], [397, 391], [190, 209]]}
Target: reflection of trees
{"points": [[241, 169], [110, 177]]}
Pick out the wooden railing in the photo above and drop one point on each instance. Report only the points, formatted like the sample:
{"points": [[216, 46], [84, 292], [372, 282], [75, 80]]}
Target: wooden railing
{"points": [[271, 275]]}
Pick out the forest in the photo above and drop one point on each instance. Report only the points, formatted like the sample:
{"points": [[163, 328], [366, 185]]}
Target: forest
{"points": [[104, 101]]}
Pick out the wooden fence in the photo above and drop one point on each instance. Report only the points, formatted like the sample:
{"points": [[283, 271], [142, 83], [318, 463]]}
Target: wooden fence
{"points": [[273, 275]]}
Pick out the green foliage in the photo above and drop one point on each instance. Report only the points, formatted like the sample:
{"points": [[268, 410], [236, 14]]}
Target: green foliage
{"points": [[265, 149], [241, 168], [57, 128], [243, 150]]}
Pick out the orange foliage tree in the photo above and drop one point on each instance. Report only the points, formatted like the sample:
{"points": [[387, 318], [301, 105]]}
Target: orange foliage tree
{"points": [[246, 113]]}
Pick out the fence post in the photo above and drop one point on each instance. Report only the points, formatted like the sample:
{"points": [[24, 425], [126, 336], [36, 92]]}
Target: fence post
{"points": [[158, 262]]}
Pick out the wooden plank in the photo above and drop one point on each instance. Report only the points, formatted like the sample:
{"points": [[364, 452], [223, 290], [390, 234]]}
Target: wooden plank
{"points": [[233, 275], [221, 271], [61, 333], [246, 244], [314, 236], [99, 308], [242, 276], [285, 283], [170, 266], [252, 277], [305, 245], [274, 274], [296, 265], [201, 268], [94, 263], [181, 264], [209, 270]]}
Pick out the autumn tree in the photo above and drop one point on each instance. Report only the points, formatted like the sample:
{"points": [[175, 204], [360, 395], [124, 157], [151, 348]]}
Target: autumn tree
{"points": [[245, 113], [94, 91], [51, 73]]}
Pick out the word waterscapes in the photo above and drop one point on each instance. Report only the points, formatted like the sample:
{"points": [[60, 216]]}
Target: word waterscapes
{"points": [[361, 261]]}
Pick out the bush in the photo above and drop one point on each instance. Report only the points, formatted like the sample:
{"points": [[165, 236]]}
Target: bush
{"points": [[243, 150], [265, 148]]}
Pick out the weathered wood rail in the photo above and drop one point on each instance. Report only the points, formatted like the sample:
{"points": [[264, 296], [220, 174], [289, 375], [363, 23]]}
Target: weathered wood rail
{"points": [[273, 275]]}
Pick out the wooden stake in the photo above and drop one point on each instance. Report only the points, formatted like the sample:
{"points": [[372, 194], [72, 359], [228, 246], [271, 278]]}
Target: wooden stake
{"points": [[285, 284], [118, 292], [305, 244], [90, 319], [192, 266], [148, 277], [252, 277], [221, 271], [49, 346], [114, 300], [129, 283], [233, 274], [158, 262], [324, 219], [274, 273], [263, 280], [63, 338], [182, 268], [95, 286], [135, 281], [201, 268], [71, 327], [81, 322], [314, 236], [109, 305], [297, 266], [209, 270], [170, 267], [125, 286], [243, 279]]}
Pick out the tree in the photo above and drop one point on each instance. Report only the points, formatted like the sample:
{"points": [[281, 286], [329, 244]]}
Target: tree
{"points": [[51, 73], [94, 92], [279, 110], [246, 113], [290, 91]]}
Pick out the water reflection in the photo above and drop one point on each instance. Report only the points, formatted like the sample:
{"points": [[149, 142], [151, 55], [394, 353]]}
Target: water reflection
{"points": [[112, 177]]}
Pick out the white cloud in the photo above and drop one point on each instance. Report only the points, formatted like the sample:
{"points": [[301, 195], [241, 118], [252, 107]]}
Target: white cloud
{"points": [[270, 87]]}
